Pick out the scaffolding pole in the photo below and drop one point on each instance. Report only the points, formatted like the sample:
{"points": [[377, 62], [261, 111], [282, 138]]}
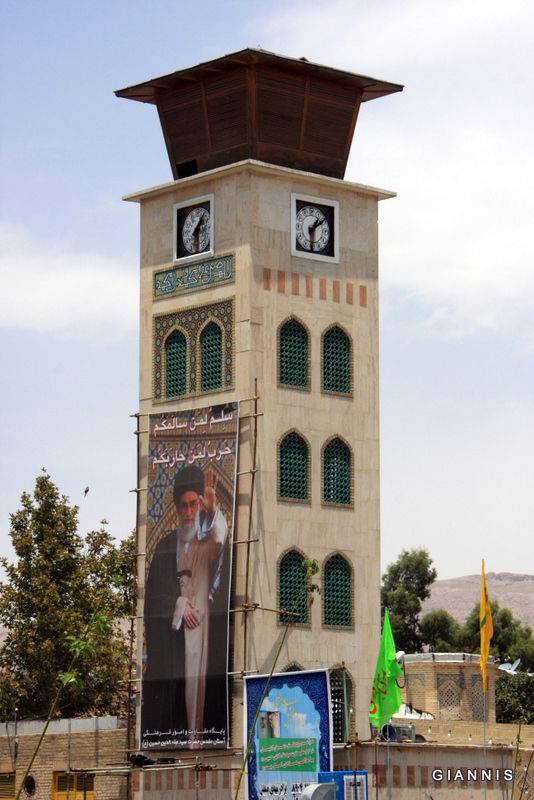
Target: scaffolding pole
{"points": [[133, 616], [246, 606]]}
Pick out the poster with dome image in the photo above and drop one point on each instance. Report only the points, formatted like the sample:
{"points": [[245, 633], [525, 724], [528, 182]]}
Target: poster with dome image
{"points": [[192, 461], [292, 741]]}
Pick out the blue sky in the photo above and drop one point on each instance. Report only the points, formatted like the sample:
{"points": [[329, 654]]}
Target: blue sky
{"points": [[456, 277]]}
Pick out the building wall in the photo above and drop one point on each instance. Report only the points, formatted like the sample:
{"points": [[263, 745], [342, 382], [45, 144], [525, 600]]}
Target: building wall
{"points": [[412, 767], [434, 686], [101, 745], [252, 220]]}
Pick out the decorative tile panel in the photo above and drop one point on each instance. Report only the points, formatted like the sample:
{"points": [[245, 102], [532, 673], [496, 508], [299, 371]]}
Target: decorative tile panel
{"points": [[191, 278], [191, 321], [477, 698], [449, 693], [410, 680]]}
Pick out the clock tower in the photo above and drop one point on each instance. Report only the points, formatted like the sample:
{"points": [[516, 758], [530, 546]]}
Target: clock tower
{"points": [[260, 252]]}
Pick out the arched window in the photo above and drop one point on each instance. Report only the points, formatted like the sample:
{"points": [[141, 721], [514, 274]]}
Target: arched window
{"points": [[291, 579], [211, 356], [293, 666], [176, 355], [336, 361], [294, 468], [337, 468], [293, 353], [341, 693], [337, 605]]}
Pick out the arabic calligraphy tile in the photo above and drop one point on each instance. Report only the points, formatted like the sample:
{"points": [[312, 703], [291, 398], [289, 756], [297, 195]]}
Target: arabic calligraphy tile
{"points": [[192, 278]]}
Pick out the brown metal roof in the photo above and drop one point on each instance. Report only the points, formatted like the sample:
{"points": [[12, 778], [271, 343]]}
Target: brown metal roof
{"points": [[259, 105], [147, 91]]}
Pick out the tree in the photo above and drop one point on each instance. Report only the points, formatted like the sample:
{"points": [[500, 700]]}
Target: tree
{"points": [[511, 640], [404, 584], [514, 698], [59, 581], [441, 632]]}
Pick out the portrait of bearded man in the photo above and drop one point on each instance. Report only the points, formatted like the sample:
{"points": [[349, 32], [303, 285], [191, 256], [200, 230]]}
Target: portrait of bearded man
{"points": [[185, 626]]}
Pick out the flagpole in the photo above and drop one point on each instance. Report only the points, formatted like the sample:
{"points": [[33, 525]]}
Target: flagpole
{"points": [[485, 781], [486, 633], [386, 668], [387, 739]]}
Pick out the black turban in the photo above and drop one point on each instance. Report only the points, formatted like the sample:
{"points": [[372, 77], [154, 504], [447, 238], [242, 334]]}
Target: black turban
{"points": [[189, 479]]}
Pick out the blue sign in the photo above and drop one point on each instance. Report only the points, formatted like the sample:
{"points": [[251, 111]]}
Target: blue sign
{"points": [[292, 741], [344, 783]]}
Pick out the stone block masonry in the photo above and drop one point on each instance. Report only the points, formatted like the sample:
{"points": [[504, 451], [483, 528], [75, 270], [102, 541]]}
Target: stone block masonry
{"points": [[97, 743]]}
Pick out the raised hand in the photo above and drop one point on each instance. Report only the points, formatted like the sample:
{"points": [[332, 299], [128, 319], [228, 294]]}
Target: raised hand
{"points": [[208, 499]]}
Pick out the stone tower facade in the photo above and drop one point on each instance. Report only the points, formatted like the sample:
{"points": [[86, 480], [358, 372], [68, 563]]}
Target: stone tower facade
{"points": [[252, 216], [300, 334]]}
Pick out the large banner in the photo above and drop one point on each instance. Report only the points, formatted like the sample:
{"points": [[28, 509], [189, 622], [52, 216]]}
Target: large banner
{"points": [[292, 740], [192, 462]]}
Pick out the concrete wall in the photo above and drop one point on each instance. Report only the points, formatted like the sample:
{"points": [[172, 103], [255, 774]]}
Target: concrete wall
{"points": [[412, 766]]}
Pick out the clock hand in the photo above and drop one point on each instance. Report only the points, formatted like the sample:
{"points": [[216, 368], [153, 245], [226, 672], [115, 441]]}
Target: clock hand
{"points": [[317, 223], [197, 226]]}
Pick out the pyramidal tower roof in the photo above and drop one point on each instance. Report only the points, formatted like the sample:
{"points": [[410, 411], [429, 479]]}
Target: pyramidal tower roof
{"points": [[260, 105]]}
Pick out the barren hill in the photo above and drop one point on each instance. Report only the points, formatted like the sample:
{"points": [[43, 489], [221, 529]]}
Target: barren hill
{"points": [[459, 595]]}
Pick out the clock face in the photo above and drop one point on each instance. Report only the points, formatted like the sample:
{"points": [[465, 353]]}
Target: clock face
{"points": [[193, 229], [314, 228], [196, 230]]}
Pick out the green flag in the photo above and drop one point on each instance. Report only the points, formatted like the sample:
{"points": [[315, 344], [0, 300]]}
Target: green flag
{"points": [[387, 669]]}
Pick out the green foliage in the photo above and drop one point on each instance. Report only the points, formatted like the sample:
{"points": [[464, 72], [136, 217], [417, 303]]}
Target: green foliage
{"points": [[441, 631], [404, 584], [514, 698], [63, 599], [511, 640], [311, 565]]}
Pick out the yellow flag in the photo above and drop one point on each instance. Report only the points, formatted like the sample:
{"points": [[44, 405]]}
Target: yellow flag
{"points": [[486, 628]]}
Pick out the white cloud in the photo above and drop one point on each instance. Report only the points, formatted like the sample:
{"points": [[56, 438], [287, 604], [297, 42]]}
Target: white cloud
{"points": [[460, 484], [456, 146], [458, 239], [389, 33], [47, 288]]}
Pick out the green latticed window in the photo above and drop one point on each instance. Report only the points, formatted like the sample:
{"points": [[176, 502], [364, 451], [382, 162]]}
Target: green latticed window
{"points": [[291, 579], [336, 592], [211, 353], [176, 356], [293, 477], [337, 473], [293, 354], [336, 361], [340, 690]]}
